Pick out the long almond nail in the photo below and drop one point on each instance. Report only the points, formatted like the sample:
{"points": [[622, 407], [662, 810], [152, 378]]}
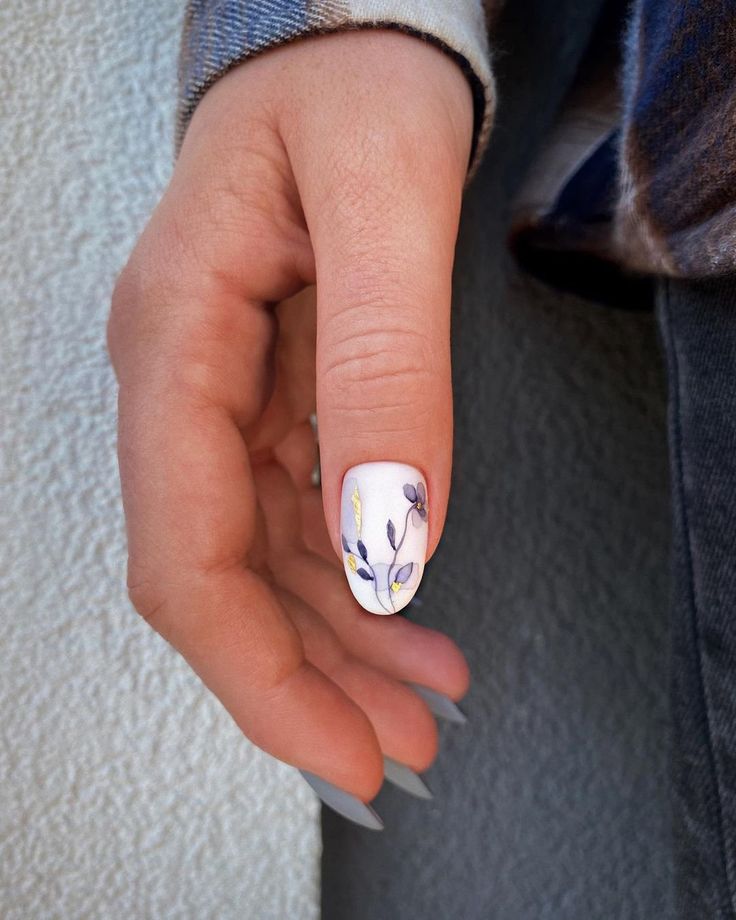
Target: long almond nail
{"points": [[344, 803], [405, 778], [440, 704], [384, 533]]}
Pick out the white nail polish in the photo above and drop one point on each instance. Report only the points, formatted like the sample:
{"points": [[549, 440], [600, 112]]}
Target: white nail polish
{"points": [[384, 517]]}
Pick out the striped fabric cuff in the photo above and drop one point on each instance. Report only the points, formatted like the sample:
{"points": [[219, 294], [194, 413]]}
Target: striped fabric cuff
{"points": [[218, 34]]}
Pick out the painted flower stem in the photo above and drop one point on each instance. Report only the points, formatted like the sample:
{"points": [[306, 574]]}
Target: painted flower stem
{"points": [[375, 589], [395, 577], [396, 553], [364, 558]]}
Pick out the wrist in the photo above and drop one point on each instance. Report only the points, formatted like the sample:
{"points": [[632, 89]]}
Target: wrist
{"points": [[376, 95]]}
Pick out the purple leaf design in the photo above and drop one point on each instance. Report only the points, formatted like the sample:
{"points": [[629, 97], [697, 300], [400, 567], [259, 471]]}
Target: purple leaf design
{"points": [[421, 492], [404, 573], [410, 492], [391, 533], [344, 543], [366, 576], [362, 550]]}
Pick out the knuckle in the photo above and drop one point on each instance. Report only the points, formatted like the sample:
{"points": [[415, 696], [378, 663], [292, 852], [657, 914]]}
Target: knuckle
{"points": [[155, 321], [371, 349], [147, 598], [382, 383], [170, 264], [120, 305], [380, 360], [145, 284]]}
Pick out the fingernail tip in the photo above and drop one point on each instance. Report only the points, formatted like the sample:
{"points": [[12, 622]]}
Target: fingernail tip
{"points": [[403, 777], [440, 704], [344, 803], [455, 714], [424, 792], [377, 821]]}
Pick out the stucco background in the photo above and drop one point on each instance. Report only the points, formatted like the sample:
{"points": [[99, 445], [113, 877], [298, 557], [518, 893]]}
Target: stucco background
{"points": [[125, 790]]}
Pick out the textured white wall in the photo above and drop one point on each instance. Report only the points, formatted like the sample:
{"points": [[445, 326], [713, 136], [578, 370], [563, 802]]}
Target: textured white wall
{"points": [[125, 791]]}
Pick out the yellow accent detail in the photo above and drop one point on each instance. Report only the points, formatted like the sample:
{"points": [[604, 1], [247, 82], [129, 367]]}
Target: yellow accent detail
{"points": [[355, 498], [352, 564], [395, 586]]}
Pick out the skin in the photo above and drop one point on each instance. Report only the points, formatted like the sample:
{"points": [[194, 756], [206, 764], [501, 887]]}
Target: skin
{"points": [[301, 255]]}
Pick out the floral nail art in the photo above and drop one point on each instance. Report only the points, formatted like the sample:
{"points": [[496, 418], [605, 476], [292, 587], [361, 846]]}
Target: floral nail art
{"points": [[384, 564]]}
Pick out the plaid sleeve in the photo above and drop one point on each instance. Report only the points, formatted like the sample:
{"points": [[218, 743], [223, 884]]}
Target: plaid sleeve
{"points": [[218, 34], [677, 209]]}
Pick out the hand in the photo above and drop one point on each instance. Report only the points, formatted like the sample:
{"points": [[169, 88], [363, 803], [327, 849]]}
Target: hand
{"points": [[337, 162]]}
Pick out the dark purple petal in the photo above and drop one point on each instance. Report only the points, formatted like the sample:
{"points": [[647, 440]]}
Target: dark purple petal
{"points": [[391, 533], [410, 492], [404, 573], [344, 543], [362, 550], [421, 492], [366, 576]]}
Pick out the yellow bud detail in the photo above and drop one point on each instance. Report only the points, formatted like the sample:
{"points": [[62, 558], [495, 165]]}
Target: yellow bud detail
{"points": [[395, 586], [357, 511], [352, 564]]}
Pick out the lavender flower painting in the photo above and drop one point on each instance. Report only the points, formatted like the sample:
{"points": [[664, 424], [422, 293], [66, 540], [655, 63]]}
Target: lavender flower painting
{"points": [[384, 517]]}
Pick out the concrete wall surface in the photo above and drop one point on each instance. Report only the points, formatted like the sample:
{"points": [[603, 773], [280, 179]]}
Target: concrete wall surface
{"points": [[125, 790]]}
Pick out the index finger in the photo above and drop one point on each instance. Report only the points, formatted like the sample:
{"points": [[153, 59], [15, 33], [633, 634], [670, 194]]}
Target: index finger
{"points": [[193, 366]]}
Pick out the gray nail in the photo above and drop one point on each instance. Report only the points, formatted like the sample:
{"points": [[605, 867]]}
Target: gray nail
{"points": [[440, 704], [343, 802], [403, 777]]}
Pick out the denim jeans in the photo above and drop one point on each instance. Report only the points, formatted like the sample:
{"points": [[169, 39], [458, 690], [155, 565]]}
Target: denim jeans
{"points": [[698, 324]]}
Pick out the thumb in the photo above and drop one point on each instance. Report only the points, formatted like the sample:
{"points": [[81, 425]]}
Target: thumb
{"points": [[381, 193]]}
